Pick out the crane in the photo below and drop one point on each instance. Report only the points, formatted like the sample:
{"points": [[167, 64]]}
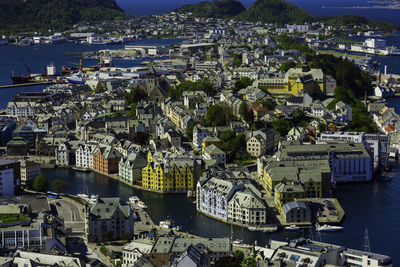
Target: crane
{"points": [[26, 66]]}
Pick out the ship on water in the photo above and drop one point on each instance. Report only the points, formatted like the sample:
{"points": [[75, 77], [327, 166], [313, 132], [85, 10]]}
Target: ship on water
{"points": [[21, 78]]}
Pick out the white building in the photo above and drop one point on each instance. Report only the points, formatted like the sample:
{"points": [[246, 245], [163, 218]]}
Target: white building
{"points": [[84, 156], [231, 201], [130, 168], [375, 43], [21, 109], [7, 177], [29, 171], [199, 133], [133, 251]]}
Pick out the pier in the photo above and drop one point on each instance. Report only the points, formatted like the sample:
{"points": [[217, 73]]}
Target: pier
{"points": [[25, 84]]}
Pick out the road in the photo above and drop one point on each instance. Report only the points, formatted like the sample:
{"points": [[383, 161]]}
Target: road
{"points": [[71, 212]]}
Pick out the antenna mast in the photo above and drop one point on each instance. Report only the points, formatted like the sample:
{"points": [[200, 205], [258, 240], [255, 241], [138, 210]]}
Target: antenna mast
{"points": [[366, 246]]}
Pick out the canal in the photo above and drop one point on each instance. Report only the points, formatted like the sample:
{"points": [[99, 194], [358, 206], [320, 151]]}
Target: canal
{"points": [[375, 206]]}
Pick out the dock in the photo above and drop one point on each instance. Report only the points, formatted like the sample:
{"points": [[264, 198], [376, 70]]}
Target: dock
{"points": [[25, 84]]}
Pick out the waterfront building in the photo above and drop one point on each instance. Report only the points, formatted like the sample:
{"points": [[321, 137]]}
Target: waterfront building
{"points": [[130, 168], [21, 109], [133, 251], [108, 219], [65, 155], [288, 191], [106, 159], [172, 174], [8, 177], [231, 201], [314, 175], [29, 171], [296, 212], [376, 144], [30, 259], [348, 162], [84, 156]]}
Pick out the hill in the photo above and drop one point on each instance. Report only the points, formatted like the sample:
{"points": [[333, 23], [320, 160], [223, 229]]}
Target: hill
{"points": [[214, 9], [274, 11], [29, 15]]}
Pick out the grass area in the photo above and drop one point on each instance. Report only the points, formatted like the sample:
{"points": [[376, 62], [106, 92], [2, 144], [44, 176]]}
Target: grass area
{"points": [[245, 161], [6, 218]]}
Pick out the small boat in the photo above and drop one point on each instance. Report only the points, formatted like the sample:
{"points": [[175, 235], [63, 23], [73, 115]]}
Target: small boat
{"points": [[136, 201], [327, 228], [237, 242], [94, 198], [166, 224], [83, 196], [292, 228]]}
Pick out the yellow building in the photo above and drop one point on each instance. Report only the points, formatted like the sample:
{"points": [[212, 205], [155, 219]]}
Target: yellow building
{"points": [[171, 175], [295, 82], [287, 192]]}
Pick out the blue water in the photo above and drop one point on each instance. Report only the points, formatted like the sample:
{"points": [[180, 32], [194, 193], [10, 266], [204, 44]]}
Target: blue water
{"points": [[375, 206], [39, 55]]}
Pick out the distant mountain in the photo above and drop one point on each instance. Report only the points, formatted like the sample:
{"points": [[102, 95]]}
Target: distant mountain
{"points": [[274, 11], [214, 9], [26, 15]]}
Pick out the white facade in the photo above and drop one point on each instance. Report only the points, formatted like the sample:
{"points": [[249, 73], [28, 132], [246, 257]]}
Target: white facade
{"points": [[199, 133], [84, 156], [134, 251], [20, 109], [130, 169]]}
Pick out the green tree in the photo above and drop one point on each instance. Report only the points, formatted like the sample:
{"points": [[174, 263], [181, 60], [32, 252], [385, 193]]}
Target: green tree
{"points": [[59, 185], [243, 108], [41, 183], [244, 82], [218, 115], [321, 127], [287, 65], [238, 255], [282, 126]]}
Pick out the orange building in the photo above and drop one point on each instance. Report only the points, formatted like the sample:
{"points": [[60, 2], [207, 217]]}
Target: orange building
{"points": [[106, 159]]}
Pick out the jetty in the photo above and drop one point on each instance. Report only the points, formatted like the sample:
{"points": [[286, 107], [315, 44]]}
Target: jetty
{"points": [[5, 86]]}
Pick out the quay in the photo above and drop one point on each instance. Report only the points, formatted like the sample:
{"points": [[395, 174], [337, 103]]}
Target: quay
{"points": [[25, 84]]}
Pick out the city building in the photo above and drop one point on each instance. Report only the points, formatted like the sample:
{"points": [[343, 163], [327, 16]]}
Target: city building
{"points": [[130, 168], [7, 126], [288, 191], [8, 177], [29, 171], [108, 219], [84, 156], [106, 159], [17, 147], [172, 174], [212, 152], [133, 251], [296, 212]]}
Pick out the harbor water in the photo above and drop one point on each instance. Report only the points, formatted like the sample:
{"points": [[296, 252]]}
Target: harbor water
{"points": [[374, 205]]}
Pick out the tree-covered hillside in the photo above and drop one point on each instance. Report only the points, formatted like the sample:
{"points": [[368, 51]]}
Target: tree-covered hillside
{"points": [[26, 15], [214, 9], [275, 11]]}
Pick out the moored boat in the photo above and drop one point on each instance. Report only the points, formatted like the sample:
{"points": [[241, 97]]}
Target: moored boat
{"points": [[328, 228], [292, 228]]}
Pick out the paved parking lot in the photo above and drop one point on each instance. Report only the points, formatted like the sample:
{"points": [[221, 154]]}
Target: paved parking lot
{"points": [[72, 213]]}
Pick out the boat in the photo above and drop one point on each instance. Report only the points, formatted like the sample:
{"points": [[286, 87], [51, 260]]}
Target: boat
{"points": [[328, 228], [76, 79], [292, 228], [166, 224], [94, 198], [83, 196], [237, 242], [136, 201], [20, 78]]}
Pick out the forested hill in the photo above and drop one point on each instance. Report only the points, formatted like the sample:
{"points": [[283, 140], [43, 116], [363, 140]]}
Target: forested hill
{"points": [[27, 15], [214, 9], [274, 11]]}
